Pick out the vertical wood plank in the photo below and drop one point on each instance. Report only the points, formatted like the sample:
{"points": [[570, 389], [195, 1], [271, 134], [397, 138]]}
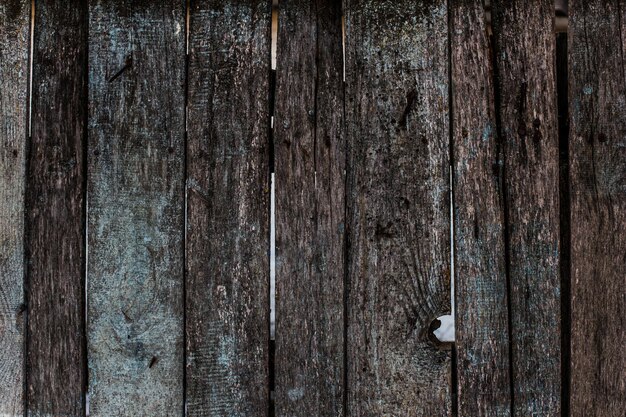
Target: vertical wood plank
{"points": [[14, 46], [136, 206], [310, 186], [597, 75], [228, 208], [397, 206], [56, 372], [525, 71], [482, 334]]}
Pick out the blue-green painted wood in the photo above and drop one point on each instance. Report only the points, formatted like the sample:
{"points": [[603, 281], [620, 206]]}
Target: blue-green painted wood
{"points": [[14, 39], [136, 204]]}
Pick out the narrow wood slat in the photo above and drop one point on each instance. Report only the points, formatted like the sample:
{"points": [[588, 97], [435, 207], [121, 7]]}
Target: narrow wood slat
{"points": [[527, 111], [228, 208], [14, 46], [482, 334], [136, 206], [310, 186], [397, 131], [55, 366], [597, 81]]}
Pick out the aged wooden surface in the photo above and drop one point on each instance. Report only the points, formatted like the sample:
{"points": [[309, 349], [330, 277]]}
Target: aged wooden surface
{"points": [[310, 186], [14, 46], [136, 204], [397, 132], [228, 209], [482, 341], [597, 81], [55, 212], [525, 72], [564, 203]]}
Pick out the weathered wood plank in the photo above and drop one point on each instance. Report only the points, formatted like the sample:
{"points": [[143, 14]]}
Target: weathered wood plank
{"points": [[228, 208], [310, 186], [14, 46], [597, 81], [525, 72], [482, 334], [56, 371], [136, 206], [397, 131]]}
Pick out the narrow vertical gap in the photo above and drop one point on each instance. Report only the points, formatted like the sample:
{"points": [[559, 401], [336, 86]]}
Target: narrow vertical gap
{"points": [[453, 371], [85, 173], [26, 238], [272, 237], [502, 166], [185, 176], [564, 203], [347, 223]]}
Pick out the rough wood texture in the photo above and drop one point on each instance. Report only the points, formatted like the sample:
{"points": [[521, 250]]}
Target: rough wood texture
{"points": [[525, 72], [228, 209], [136, 205], [482, 340], [598, 206], [310, 186], [14, 46], [398, 205], [55, 212]]}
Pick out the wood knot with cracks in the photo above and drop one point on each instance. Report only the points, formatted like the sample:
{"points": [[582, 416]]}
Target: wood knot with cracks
{"points": [[384, 230]]}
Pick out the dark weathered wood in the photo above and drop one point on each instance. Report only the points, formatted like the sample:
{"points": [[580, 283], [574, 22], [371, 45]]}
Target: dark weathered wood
{"points": [[310, 186], [564, 203], [398, 205], [136, 206], [482, 334], [56, 372], [597, 80], [525, 72], [228, 209], [14, 46]]}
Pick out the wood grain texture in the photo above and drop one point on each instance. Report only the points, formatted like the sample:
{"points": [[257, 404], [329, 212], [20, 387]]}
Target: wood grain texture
{"points": [[527, 109], [14, 46], [397, 131], [55, 212], [597, 86], [310, 187], [136, 207], [228, 209], [482, 341]]}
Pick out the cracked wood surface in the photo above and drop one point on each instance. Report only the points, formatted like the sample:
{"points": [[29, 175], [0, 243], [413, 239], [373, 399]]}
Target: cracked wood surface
{"points": [[56, 372], [398, 208], [482, 333], [525, 57], [228, 208], [597, 88], [310, 186]]}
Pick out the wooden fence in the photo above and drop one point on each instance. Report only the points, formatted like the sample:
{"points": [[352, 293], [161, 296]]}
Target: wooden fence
{"points": [[136, 146]]}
